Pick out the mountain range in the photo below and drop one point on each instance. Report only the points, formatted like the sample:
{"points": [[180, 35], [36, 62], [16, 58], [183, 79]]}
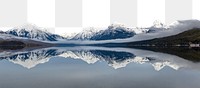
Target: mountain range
{"points": [[114, 58], [186, 38], [115, 33], [33, 32], [10, 42]]}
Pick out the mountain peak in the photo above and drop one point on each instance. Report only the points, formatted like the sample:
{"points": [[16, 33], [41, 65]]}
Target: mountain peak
{"points": [[30, 27], [158, 24], [90, 30], [33, 32], [116, 25], [114, 31]]}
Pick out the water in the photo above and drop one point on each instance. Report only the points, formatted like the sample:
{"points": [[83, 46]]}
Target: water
{"points": [[99, 67]]}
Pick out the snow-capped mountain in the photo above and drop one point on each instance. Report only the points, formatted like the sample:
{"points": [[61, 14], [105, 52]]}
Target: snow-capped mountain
{"points": [[88, 57], [33, 32], [159, 64], [157, 26], [86, 34], [30, 59], [11, 42], [92, 56], [114, 58], [114, 31], [118, 59], [175, 28]]}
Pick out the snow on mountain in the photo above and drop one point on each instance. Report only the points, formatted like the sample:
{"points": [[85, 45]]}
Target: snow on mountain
{"points": [[156, 63], [160, 65], [92, 56], [172, 29], [116, 61], [116, 58], [85, 56], [30, 63], [114, 31], [5, 36], [30, 59], [169, 30], [33, 32], [68, 35], [124, 63], [19, 40], [157, 26], [86, 34]]}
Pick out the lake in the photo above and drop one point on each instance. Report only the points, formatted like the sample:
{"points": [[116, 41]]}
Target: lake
{"points": [[100, 67]]}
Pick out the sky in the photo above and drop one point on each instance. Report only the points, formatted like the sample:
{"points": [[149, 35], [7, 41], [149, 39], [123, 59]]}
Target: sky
{"points": [[68, 16]]}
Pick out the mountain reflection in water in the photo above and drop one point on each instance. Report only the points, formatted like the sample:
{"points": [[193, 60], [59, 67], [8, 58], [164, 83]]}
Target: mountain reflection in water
{"points": [[114, 57]]}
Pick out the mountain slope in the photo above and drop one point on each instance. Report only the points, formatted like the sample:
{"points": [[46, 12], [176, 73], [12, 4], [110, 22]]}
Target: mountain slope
{"points": [[30, 59], [172, 29], [184, 38], [84, 35], [114, 31], [8, 42], [115, 59], [33, 32], [190, 54]]}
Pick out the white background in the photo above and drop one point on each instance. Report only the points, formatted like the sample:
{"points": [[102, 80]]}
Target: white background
{"points": [[96, 13]]}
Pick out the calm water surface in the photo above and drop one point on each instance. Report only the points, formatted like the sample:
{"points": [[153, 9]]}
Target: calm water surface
{"points": [[98, 67]]}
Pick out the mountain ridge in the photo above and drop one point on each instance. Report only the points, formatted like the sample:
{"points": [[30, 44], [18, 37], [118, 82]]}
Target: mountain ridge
{"points": [[185, 38], [33, 32], [114, 31]]}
